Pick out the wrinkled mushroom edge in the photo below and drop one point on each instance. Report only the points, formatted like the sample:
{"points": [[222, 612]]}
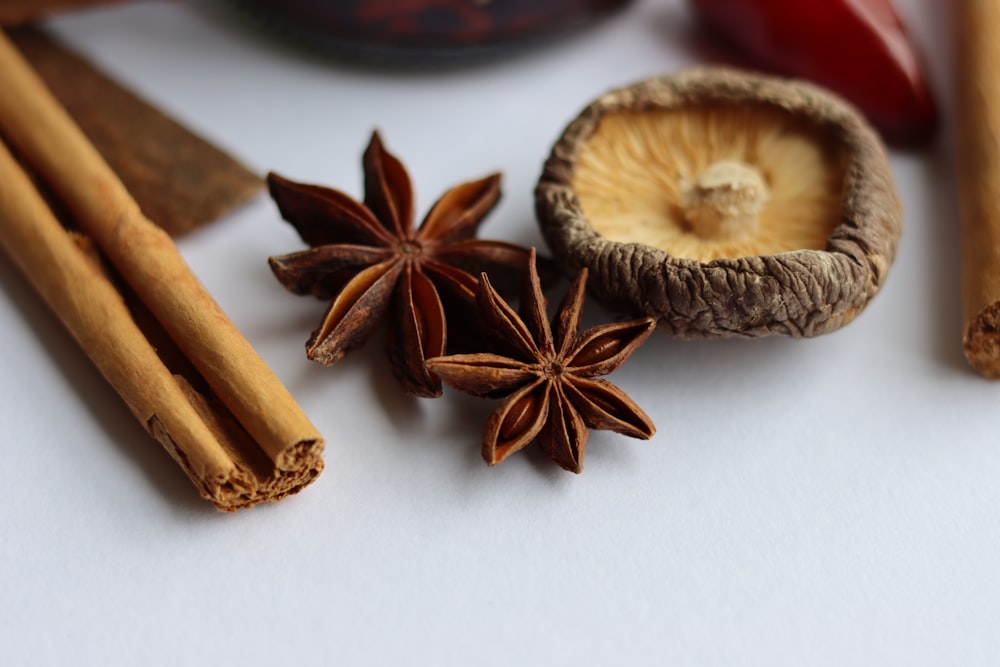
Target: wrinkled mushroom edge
{"points": [[802, 293]]}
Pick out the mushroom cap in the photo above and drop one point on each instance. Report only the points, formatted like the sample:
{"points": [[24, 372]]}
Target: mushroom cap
{"points": [[799, 292]]}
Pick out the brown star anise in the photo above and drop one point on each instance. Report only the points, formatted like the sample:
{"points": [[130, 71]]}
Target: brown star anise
{"points": [[548, 381], [377, 265]]}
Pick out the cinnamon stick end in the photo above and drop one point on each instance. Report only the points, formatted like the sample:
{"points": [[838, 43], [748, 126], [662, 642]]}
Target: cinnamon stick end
{"points": [[982, 341], [242, 491]]}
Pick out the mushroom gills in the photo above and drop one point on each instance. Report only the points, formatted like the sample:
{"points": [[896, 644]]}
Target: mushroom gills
{"points": [[705, 183]]}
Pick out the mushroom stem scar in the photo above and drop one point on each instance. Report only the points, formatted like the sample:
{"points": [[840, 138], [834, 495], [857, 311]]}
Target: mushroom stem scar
{"points": [[725, 200]]}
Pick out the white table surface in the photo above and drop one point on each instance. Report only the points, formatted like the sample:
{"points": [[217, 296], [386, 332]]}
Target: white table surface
{"points": [[826, 502]]}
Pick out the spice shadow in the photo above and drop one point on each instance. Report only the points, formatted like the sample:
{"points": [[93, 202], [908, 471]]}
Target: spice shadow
{"points": [[110, 413], [943, 286], [464, 417], [403, 411]]}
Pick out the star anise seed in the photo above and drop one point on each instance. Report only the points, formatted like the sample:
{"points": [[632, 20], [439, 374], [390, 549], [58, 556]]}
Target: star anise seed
{"points": [[547, 379], [373, 263]]}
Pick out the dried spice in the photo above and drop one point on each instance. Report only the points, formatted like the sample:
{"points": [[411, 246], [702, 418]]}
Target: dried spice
{"points": [[548, 379], [180, 180], [18, 12], [723, 204], [861, 50], [977, 130], [182, 368], [370, 257]]}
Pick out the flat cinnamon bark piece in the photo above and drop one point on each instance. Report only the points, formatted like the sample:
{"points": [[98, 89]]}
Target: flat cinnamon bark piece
{"points": [[268, 430], [17, 12], [180, 180]]}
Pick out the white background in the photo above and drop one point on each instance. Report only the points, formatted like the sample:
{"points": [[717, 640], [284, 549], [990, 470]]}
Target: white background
{"points": [[826, 502]]}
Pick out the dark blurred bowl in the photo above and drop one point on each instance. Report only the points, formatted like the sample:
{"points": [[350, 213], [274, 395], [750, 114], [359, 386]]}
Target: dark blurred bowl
{"points": [[428, 31]]}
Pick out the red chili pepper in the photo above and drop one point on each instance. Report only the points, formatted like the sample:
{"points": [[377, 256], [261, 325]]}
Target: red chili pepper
{"points": [[858, 48]]}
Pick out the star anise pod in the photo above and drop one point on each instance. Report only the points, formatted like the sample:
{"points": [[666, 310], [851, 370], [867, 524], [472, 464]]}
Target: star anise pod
{"points": [[377, 266], [548, 379]]}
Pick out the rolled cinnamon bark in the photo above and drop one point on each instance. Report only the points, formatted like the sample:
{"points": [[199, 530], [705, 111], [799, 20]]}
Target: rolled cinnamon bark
{"points": [[180, 180], [978, 150], [75, 287], [45, 137]]}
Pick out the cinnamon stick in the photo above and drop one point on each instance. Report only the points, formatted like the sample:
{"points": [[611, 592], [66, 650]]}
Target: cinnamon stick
{"points": [[45, 138], [978, 150], [73, 284], [180, 180]]}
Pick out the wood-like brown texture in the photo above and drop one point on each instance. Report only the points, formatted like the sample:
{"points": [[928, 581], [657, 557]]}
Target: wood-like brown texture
{"points": [[87, 302], [272, 429], [180, 180], [977, 77], [16, 12], [380, 267]]}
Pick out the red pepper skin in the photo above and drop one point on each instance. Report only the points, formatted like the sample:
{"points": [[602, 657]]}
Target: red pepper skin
{"points": [[857, 48]]}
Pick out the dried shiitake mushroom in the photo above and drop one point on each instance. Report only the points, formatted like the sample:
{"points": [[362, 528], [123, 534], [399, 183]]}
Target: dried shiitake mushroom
{"points": [[723, 204]]}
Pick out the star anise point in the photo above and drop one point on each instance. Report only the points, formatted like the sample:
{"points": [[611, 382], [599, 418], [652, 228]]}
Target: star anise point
{"points": [[370, 256]]}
